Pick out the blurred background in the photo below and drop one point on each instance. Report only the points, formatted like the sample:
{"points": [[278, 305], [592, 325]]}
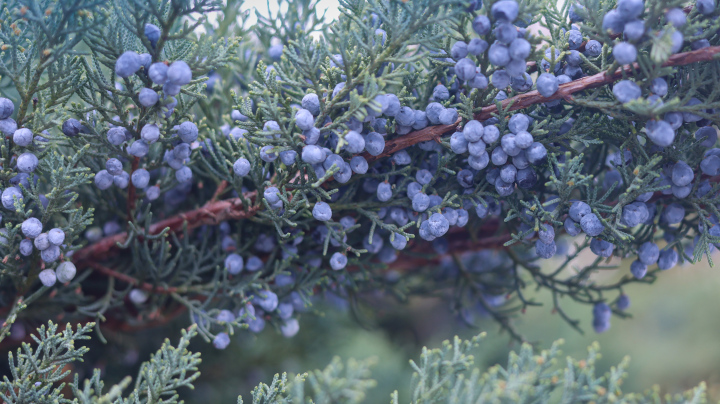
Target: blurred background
{"points": [[672, 340], [329, 7]]}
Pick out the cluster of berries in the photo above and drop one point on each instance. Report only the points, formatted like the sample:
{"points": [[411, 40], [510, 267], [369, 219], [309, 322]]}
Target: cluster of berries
{"points": [[49, 243], [484, 144], [171, 76], [518, 157], [261, 305]]}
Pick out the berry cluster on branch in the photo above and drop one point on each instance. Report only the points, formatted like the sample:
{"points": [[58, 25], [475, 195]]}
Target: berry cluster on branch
{"points": [[435, 147], [160, 164]]}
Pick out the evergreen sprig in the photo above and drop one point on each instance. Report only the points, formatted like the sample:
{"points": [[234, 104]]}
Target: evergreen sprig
{"points": [[243, 172]]}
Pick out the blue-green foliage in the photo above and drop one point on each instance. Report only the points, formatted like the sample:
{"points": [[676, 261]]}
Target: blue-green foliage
{"points": [[400, 150], [442, 375], [38, 373]]}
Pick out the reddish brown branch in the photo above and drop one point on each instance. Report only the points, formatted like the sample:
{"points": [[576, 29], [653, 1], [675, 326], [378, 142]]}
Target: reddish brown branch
{"points": [[528, 99], [210, 213], [402, 142], [597, 80], [129, 279]]}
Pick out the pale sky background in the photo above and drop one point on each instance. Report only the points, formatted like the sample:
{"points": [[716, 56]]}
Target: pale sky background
{"points": [[262, 6], [331, 7]]}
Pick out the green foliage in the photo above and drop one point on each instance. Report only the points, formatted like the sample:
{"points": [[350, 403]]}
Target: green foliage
{"points": [[39, 43], [158, 379], [146, 255], [442, 375], [38, 374], [448, 375], [337, 383]]}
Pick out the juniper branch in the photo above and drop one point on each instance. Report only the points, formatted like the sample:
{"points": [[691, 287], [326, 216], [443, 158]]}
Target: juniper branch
{"points": [[530, 98], [210, 213]]}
